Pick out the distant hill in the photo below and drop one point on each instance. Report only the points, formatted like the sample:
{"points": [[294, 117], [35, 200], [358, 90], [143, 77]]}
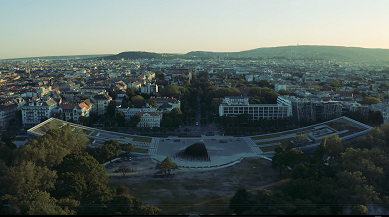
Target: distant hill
{"points": [[142, 55], [301, 52], [62, 57]]}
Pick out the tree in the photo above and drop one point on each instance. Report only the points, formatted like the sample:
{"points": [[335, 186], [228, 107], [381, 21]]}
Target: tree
{"points": [[167, 165], [124, 169], [357, 115], [365, 161], [153, 102], [135, 119], [41, 203], [359, 210], [176, 115], [128, 148], [333, 147], [241, 201], [84, 120], [81, 177], [370, 100], [167, 121], [109, 150], [22, 179], [50, 148], [170, 90], [126, 102], [128, 205], [385, 134], [122, 190], [301, 140], [120, 118], [111, 108], [138, 101], [284, 92], [7, 140]]}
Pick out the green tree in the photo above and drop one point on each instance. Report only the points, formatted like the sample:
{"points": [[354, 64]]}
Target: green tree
{"points": [[82, 178], [135, 119], [241, 201], [22, 179], [111, 108], [128, 205], [359, 210], [153, 103], [385, 134], [333, 147], [284, 92], [120, 118], [170, 90], [50, 148], [108, 151], [370, 100], [138, 101], [128, 148], [176, 115], [167, 165], [126, 102], [167, 122], [84, 120], [41, 203]]}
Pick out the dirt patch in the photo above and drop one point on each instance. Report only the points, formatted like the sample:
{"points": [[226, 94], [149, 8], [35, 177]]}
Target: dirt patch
{"points": [[193, 190]]}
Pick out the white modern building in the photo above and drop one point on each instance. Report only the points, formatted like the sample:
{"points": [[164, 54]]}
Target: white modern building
{"points": [[233, 106]]}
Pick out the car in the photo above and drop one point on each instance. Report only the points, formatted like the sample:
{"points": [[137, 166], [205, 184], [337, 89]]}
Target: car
{"points": [[197, 123]]}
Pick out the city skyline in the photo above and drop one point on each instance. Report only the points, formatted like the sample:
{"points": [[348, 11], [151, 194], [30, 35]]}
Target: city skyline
{"points": [[46, 28]]}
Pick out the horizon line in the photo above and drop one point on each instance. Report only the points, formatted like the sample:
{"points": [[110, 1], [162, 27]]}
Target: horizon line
{"points": [[297, 45]]}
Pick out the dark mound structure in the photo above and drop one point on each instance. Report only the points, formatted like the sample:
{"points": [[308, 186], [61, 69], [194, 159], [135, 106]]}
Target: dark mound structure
{"points": [[195, 152]]}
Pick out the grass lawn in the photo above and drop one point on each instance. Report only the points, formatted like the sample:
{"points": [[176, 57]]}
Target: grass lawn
{"points": [[44, 128], [276, 135], [284, 144], [141, 150], [20, 138], [141, 139]]}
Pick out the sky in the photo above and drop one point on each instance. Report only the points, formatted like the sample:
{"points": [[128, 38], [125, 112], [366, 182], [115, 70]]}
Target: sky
{"points": [[76, 27]]}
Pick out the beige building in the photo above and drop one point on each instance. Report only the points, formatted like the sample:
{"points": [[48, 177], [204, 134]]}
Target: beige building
{"points": [[100, 103]]}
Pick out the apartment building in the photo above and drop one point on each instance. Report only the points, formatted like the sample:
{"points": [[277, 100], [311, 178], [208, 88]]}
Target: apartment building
{"points": [[100, 103], [36, 109], [73, 111], [7, 112]]}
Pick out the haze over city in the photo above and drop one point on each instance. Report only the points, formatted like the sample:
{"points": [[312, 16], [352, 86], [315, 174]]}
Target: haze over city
{"points": [[50, 28]]}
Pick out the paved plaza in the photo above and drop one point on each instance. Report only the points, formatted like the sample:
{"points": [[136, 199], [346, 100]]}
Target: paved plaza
{"points": [[223, 150]]}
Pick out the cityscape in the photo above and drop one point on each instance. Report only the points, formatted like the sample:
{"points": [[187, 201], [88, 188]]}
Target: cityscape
{"points": [[287, 129]]}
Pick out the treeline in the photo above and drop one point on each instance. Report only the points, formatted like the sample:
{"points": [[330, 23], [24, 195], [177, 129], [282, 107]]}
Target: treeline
{"points": [[55, 175], [339, 178]]}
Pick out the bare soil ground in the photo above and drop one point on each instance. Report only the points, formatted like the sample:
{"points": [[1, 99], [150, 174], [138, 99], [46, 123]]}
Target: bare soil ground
{"points": [[202, 191]]}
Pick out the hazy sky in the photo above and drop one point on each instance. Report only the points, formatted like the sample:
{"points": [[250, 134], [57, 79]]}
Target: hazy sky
{"points": [[72, 27]]}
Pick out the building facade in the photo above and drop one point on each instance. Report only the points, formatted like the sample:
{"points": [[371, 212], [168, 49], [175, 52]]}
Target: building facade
{"points": [[7, 112], [36, 109], [234, 106], [100, 103]]}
